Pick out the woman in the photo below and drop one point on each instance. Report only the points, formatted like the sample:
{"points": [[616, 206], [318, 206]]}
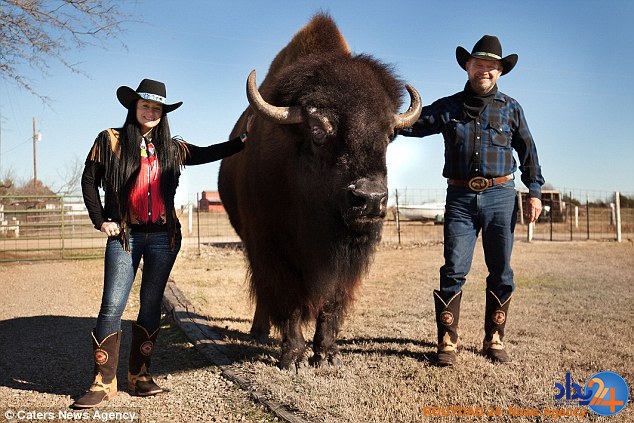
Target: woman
{"points": [[138, 166]]}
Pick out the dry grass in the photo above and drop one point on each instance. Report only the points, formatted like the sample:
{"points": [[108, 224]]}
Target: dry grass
{"points": [[572, 311]]}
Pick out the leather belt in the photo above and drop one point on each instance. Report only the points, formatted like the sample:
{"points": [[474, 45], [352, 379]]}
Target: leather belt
{"points": [[148, 227], [479, 183]]}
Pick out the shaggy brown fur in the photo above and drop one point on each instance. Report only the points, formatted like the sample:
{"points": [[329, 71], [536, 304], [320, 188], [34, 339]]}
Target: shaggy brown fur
{"points": [[309, 207]]}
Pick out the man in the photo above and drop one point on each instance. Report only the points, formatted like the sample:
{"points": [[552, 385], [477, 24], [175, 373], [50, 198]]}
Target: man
{"points": [[481, 127]]}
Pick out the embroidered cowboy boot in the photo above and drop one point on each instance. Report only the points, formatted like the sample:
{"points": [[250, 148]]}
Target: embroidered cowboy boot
{"points": [[104, 387], [139, 379], [447, 316], [494, 322]]}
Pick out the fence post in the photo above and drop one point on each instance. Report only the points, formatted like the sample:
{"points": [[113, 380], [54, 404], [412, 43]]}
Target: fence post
{"points": [[570, 213], [63, 235], [588, 214], [398, 220], [529, 233], [190, 217], [198, 220], [550, 218], [617, 206]]}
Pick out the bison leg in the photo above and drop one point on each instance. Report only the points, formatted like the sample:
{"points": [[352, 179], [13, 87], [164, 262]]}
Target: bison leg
{"points": [[326, 351], [261, 327], [293, 343]]}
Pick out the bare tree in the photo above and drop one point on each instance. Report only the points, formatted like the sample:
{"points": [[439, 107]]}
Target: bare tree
{"points": [[34, 31], [71, 178], [7, 181]]}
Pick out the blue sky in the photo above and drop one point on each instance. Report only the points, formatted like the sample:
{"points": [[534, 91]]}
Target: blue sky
{"points": [[574, 80]]}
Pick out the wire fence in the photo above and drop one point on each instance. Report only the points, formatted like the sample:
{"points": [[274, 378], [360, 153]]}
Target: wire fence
{"points": [[55, 227], [568, 215]]}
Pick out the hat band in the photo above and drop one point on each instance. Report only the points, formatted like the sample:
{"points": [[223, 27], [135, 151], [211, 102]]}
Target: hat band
{"points": [[485, 54], [152, 97]]}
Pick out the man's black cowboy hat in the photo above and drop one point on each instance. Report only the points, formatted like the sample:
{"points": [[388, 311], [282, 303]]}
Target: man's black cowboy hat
{"points": [[149, 90], [488, 48]]}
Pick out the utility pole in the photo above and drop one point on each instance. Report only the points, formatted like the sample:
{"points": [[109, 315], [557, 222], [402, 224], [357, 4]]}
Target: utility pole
{"points": [[0, 145], [34, 156]]}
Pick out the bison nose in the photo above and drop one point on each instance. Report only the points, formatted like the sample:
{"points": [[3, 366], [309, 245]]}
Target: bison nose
{"points": [[369, 197]]}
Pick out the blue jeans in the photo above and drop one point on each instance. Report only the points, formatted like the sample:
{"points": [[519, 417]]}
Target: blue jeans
{"points": [[119, 271], [467, 213]]}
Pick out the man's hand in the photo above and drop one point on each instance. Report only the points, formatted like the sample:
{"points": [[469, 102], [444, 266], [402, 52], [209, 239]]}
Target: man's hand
{"points": [[533, 209]]}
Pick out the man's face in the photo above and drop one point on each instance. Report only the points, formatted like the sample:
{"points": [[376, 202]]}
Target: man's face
{"points": [[483, 74]]}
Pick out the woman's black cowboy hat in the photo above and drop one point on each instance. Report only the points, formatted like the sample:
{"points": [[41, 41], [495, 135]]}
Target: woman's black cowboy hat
{"points": [[149, 90], [488, 48]]}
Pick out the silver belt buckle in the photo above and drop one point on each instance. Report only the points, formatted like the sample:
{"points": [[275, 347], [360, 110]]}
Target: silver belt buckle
{"points": [[478, 184]]}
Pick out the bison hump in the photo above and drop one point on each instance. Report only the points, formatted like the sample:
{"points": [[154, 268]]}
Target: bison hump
{"points": [[319, 36]]}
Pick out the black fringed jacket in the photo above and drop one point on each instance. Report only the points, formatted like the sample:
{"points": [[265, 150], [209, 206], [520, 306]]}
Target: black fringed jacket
{"points": [[103, 154]]}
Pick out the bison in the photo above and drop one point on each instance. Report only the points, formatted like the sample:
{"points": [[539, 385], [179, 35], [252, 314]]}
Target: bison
{"points": [[308, 194]]}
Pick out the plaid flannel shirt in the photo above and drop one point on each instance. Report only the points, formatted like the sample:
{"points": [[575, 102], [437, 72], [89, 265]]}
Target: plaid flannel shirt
{"points": [[482, 146]]}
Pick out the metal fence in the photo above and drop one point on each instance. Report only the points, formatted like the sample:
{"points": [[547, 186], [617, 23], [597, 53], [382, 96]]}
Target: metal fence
{"points": [[46, 227], [588, 215], [53, 227], [568, 215]]}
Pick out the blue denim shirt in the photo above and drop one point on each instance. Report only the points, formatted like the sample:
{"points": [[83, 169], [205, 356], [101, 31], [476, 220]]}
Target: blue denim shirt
{"points": [[482, 146]]}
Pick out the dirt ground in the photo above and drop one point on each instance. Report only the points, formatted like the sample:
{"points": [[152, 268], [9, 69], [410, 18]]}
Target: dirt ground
{"points": [[47, 312], [572, 312]]}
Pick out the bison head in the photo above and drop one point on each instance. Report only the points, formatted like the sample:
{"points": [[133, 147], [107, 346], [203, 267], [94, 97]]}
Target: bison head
{"points": [[340, 112]]}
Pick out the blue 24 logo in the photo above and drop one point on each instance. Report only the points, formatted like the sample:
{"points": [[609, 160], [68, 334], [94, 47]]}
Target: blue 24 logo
{"points": [[606, 393]]}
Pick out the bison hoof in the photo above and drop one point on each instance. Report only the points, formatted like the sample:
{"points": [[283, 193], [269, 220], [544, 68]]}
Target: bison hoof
{"points": [[293, 366], [293, 360], [329, 360], [260, 334], [335, 360], [261, 338]]}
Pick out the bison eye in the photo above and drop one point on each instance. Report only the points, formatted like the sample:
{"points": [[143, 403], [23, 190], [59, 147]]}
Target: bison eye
{"points": [[319, 135]]}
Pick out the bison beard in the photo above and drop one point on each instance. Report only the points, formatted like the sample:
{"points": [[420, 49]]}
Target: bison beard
{"points": [[308, 194]]}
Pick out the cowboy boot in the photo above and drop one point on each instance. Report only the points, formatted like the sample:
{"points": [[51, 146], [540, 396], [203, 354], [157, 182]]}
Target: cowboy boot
{"points": [[494, 322], [139, 379], [104, 387], [447, 316]]}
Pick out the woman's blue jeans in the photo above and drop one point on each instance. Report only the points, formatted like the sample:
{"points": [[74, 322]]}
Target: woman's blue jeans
{"points": [[467, 213], [119, 271]]}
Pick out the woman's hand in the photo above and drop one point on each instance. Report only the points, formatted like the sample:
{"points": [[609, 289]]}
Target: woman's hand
{"points": [[110, 228]]}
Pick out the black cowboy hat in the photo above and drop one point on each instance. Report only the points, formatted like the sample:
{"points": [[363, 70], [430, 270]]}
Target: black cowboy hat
{"points": [[149, 90], [488, 48]]}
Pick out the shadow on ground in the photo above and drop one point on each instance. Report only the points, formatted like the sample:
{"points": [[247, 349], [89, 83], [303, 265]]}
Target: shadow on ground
{"points": [[53, 354], [224, 346]]}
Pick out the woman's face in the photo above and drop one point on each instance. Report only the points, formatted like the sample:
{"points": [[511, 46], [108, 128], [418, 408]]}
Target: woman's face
{"points": [[148, 114]]}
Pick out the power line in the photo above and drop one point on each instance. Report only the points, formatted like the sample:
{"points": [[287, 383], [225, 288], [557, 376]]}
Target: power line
{"points": [[30, 139]]}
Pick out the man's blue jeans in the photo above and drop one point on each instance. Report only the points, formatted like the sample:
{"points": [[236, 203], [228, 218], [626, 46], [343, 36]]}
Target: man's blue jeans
{"points": [[467, 213], [119, 271]]}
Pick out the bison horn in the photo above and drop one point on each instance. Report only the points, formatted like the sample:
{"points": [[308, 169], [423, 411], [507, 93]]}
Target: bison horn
{"points": [[282, 115], [407, 119]]}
